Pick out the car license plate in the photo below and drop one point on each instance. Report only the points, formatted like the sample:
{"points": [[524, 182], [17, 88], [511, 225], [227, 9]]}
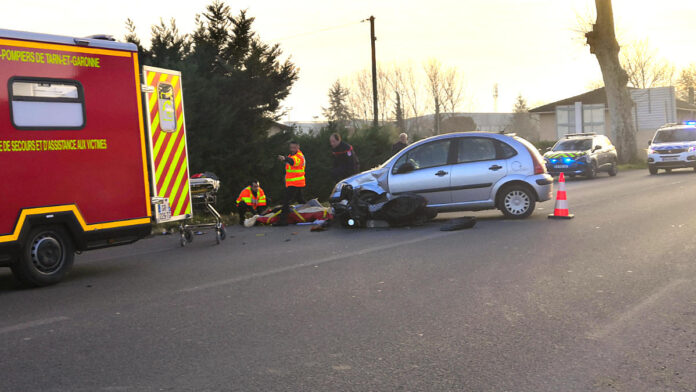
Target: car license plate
{"points": [[560, 166], [669, 159]]}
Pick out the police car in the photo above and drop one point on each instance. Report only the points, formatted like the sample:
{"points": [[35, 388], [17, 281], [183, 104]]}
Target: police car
{"points": [[673, 147], [582, 154]]}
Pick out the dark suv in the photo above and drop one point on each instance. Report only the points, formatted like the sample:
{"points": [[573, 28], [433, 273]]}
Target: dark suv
{"points": [[582, 153]]}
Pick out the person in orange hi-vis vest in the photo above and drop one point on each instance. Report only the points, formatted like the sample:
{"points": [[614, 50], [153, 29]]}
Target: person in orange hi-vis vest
{"points": [[252, 199], [294, 180]]}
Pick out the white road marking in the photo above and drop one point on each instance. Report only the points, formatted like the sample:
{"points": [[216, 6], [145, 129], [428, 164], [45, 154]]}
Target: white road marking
{"points": [[32, 324], [635, 311], [314, 262]]}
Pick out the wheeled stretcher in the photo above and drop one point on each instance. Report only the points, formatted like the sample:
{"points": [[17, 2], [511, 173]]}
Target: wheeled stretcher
{"points": [[203, 195]]}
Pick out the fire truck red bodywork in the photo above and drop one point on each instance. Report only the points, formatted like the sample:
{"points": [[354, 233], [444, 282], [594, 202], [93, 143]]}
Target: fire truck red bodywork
{"points": [[92, 180]]}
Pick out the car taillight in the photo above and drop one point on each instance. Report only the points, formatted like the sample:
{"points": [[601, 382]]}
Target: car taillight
{"points": [[539, 168], [537, 159]]}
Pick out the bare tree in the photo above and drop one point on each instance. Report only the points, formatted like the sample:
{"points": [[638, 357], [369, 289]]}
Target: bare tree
{"points": [[360, 96], [644, 67], [453, 90], [384, 94], [686, 81], [434, 77], [603, 44], [413, 93]]}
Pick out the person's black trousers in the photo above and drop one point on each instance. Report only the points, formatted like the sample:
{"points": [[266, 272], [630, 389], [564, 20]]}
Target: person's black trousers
{"points": [[243, 207], [292, 193]]}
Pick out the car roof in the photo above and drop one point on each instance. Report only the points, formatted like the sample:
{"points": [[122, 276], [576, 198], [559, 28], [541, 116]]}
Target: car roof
{"points": [[676, 126], [494, 135]]}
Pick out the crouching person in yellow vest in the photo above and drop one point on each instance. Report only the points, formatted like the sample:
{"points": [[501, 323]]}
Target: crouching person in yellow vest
{"points": [[294, 180], [251, 199]]}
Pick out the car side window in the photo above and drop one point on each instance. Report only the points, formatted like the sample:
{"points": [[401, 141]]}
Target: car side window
{"points": [[428, 155], [505, 151], [474, 149]]}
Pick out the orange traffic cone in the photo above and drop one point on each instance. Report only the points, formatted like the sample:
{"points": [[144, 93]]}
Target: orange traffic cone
{"points": [[561, 210]]}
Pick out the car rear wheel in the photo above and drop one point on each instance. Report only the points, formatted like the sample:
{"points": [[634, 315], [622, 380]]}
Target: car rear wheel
{"points": [[652, 170], [47, 255], [516, 202]]}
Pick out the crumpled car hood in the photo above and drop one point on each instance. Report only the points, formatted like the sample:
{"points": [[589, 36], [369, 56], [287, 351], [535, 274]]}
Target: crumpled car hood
{"points": [[373, 180]]}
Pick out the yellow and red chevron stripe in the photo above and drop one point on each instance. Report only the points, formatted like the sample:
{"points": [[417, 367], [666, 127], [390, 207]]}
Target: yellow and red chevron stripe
{"points": [[169, 155]]}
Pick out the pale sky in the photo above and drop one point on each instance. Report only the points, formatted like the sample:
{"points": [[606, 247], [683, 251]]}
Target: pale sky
{"points": [[525, 46]]}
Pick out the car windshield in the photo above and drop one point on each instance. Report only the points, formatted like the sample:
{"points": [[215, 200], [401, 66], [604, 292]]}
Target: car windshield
{"points": [[675, 135], [573, 145]]}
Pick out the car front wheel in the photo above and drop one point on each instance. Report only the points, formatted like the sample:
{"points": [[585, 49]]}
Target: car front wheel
{"points": [[591, 170], [652, 170], [516, 202]]}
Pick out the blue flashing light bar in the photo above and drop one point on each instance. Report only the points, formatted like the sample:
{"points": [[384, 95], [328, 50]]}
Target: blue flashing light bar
{"points": [[691, 123]]}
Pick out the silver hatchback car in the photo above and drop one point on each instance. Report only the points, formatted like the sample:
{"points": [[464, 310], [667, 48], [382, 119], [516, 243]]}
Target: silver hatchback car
{"points": [[465, 171]]}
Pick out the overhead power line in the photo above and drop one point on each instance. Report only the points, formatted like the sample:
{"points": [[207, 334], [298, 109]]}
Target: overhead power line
{"points": [[317, 31]]}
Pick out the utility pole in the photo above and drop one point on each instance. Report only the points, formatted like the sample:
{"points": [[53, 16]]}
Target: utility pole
{"points": [[374, 71]]}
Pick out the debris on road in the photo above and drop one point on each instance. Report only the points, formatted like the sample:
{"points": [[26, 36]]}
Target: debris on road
{"points": [[466, 222]]}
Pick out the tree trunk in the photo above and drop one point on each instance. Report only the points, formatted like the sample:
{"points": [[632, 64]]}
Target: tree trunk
{"points": [[603, 44]]}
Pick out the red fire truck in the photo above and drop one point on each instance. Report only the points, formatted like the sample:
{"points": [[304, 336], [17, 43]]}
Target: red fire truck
{"points": [[92, 150]]}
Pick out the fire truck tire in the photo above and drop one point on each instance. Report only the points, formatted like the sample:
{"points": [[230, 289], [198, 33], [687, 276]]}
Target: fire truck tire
{"points": [[46, 258]]}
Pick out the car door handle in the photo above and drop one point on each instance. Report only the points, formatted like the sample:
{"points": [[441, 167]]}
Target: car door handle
{"points": [[495, 167], [441, 173]]}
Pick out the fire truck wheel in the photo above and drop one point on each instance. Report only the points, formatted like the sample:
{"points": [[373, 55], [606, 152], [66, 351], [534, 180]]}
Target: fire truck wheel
{"points": [[47, 256]]}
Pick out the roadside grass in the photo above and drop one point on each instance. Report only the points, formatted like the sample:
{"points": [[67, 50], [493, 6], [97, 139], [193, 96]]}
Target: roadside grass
{"points": [[636, 165]]}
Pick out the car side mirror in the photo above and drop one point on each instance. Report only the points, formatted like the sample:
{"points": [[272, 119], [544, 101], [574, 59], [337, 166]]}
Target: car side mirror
{"points": [[405, 168], [596, 148], [649, 142]]}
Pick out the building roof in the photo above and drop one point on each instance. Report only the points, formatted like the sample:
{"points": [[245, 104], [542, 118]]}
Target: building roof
{"points": [[596, 96], [588, 98]]}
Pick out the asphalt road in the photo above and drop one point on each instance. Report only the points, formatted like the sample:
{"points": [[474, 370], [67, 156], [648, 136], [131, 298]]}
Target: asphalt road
{"points": [[603, 302]]}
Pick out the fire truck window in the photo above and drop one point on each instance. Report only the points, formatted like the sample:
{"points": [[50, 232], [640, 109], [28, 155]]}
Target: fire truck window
{"points": [[167, 111], [38, 104]]}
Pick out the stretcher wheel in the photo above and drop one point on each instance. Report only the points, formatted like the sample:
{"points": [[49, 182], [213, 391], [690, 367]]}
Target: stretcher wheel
{"points": [[186, 237]]}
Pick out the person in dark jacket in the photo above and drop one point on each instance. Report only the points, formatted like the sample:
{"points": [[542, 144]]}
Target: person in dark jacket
{"points": [[401, 144], [346, 161]]}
